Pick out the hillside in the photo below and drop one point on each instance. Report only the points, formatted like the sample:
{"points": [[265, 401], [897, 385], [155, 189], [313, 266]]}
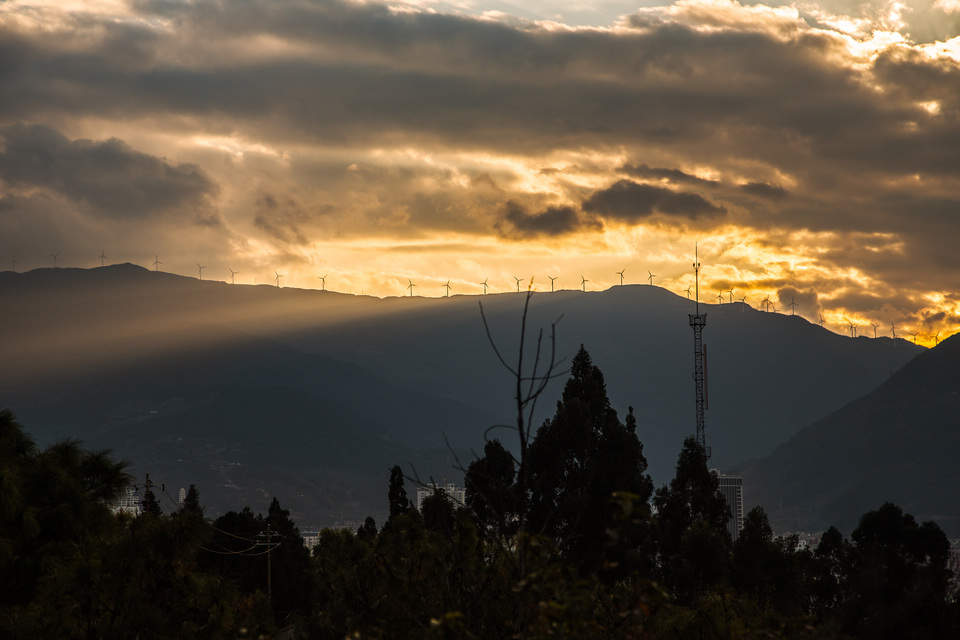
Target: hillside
{"points": [[898, 443], [318, 393]]}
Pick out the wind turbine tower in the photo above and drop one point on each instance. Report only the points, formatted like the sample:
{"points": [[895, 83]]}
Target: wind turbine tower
{"points": [[552, 278], [698, 321]]}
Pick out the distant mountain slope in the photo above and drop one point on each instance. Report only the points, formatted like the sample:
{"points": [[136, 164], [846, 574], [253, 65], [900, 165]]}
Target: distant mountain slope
{"points": [[769, 374], [899, 443], [92, 353]]}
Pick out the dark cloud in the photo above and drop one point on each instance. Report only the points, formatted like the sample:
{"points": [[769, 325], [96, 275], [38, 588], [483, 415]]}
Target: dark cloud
{"points": [[282, 218], [552, 221], [631, 202], [671, 175], [765, 190], [107, 178]]}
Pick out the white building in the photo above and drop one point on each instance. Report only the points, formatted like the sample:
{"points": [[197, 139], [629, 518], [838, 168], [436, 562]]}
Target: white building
{"points": [[731, 487], [457, 495], [129, 502]]}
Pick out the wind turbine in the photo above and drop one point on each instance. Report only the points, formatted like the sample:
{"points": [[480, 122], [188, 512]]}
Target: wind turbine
{"points": [[688, 292], [484, 284], [650, 276], [936, 339], [55, 259], [156, 263], [730, 291], [874, 329], [893, 332], [323, 282], [233, 275], [583, 283], [448, 288], [552, 278], [102, 257], [821, 320], [14, 263], [620, 273], [766, 304], [720, 297], [518, 283], [914, 336], [201, 268], [410, 286], [793, 306], [277, 279]]}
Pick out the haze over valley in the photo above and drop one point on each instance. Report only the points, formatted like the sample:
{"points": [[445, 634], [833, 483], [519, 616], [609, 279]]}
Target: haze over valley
{"points": [[256, 391]]}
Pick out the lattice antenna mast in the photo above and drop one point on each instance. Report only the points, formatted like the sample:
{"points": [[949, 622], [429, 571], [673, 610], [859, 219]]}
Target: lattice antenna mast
{"points": [[698, 321]]}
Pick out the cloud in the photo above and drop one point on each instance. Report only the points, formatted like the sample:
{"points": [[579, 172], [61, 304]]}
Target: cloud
{"points": [[552, 221], [669, 175], [107, 178], [765, 190], [630, 201]]}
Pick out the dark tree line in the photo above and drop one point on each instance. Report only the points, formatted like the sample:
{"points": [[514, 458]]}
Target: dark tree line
{"points": [[71, 568], [571, 540], [603, 555]]}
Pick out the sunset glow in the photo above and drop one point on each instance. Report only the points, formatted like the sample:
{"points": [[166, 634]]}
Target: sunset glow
{"points": [[810, 151]]}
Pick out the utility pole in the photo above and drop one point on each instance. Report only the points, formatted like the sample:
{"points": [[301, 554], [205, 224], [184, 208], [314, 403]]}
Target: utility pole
{"points": [[698, 321], [270, 546]]}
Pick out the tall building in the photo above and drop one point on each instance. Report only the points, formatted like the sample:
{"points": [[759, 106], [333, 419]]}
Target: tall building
{"points": [[731, 487], [457, 495]]}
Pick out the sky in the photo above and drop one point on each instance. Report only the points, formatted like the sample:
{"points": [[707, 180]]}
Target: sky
{"points": [[808, 152]]}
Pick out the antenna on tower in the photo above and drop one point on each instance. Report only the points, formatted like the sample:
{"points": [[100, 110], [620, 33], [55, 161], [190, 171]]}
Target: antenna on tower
{"points": [[620, 273], [698, 322], [552, 278]]}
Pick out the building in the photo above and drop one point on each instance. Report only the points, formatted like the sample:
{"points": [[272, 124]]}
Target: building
{"points": [[129, 502], [457, 495], [731, 487]]}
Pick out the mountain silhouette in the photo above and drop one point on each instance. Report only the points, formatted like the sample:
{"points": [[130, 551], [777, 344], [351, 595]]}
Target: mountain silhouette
{"points": [[898, 443], [254, 390]]}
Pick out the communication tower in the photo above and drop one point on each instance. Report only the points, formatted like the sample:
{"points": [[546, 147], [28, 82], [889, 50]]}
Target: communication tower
{"points": [[698, 321]]}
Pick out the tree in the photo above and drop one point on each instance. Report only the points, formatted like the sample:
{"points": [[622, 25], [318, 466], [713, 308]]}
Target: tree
{"points": [[490, 492], [692, 538], [577, 461], [397, 495], [896, 577]]}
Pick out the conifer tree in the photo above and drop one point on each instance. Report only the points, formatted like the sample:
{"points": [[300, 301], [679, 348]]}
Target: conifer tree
{"points": [[577, 461]]}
